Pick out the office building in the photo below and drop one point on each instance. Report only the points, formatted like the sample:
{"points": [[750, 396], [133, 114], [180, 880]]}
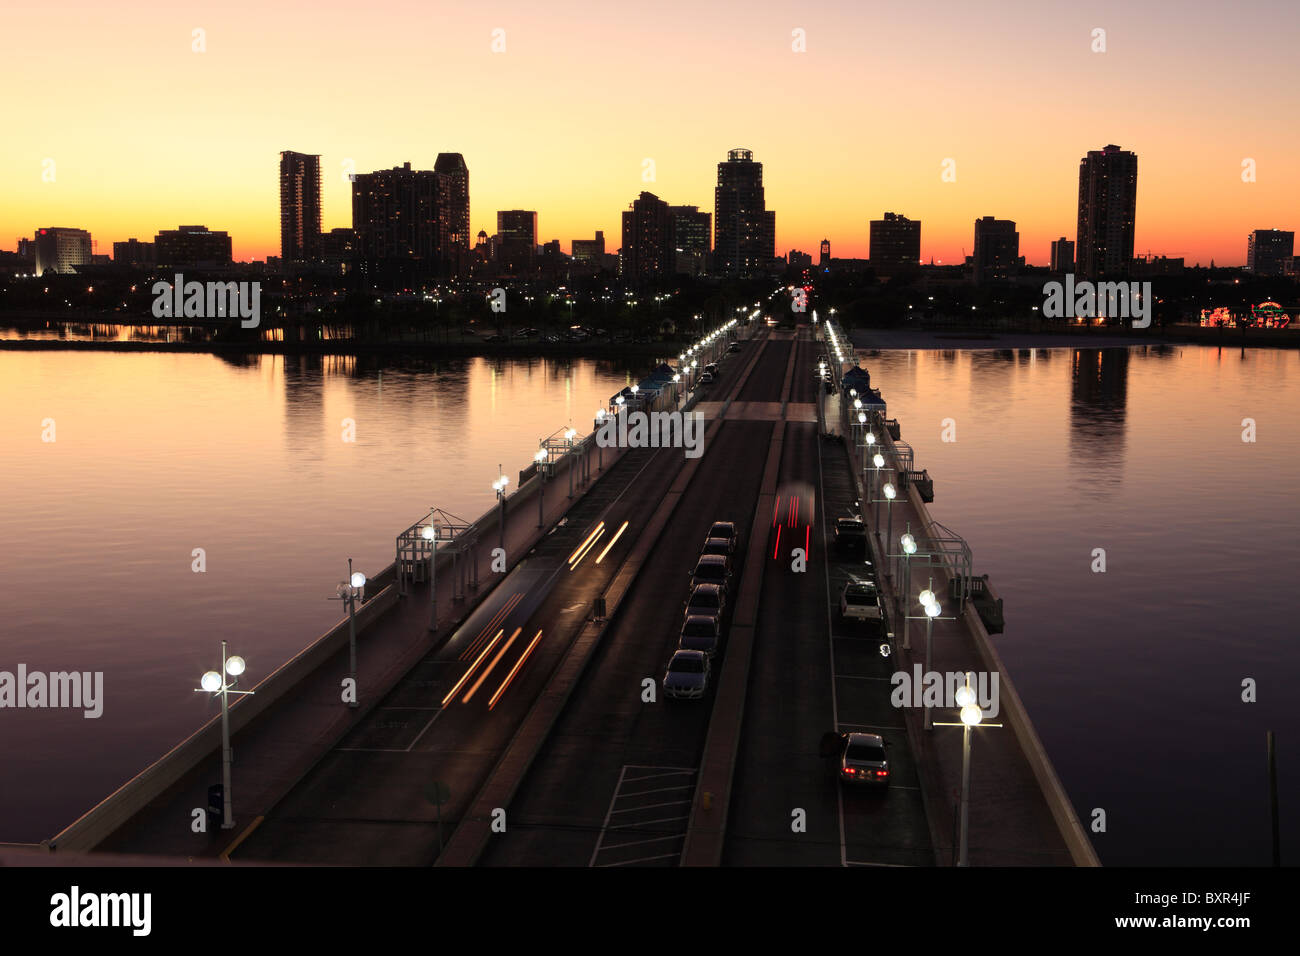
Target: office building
{"points": [[1107, 212], [997, 249], [895, 244], [60, 250], [516, 239], [133, 252], [744, 240], [585, 250], [192, 246]]}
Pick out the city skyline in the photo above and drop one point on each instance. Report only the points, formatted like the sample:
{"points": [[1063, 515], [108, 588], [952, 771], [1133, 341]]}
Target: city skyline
{"points": [[835, 156]]}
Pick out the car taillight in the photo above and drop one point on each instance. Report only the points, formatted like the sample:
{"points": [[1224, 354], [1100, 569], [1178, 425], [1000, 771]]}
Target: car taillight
{"points": [[849, 771], [882, 773]]}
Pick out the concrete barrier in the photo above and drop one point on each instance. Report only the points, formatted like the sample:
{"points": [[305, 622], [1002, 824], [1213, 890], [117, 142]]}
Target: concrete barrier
{"points": [[98, 823]]}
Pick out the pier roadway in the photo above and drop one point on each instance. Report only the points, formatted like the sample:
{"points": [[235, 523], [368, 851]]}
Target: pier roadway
{"points": [[279, 748], [612, 784], [392, 791], [812, 673]]}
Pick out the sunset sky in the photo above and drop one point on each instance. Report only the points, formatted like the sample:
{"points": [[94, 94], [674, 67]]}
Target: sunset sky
{"points": [[146, 134]]}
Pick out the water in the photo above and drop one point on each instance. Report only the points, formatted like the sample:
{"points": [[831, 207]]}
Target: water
{"points": [[1132, 676], [156, 455]]}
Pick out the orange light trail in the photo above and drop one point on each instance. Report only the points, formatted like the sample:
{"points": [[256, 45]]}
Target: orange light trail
{"points": [[513, 671], [496, 621], [594, 531], [619, 534], [461, 683], [496, 660], [591, 544]]}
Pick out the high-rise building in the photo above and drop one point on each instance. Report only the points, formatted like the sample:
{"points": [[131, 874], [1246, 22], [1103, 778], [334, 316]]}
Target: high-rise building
{"points": [[60, 250], [516, 238], [648, 243], [395, 222], [453, 212], [997, 249], [798, 260], [194, 246], [299, 207], [744, 239], [1107, 212], [1062, 255], [824, 258], [133, 252], [895, 244], [692, 235], [589, 249], [1268, 251]]}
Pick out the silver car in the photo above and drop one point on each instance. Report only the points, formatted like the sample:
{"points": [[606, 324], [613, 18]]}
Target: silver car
{"points": [[699, 633], [687, 675]]}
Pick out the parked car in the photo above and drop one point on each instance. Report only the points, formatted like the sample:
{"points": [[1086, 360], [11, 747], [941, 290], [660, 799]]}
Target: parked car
{"points": [[712, 569], [711, 368], [733, 347], [496, 337], [850, 536], [720, 546], [707, 378], [687, 675], [860, 601], [699, 633], [725, 529], [707, 599], [859, 758]]}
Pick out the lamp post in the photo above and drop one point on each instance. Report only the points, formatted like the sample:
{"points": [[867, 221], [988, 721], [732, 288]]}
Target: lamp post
{"points": [[877, 462], [499, 486], [214, 682], [430, 534], [890, 494], [349, 591], [540, 458], [971, 717], [909, 548], [568, 446], [932, 611]]}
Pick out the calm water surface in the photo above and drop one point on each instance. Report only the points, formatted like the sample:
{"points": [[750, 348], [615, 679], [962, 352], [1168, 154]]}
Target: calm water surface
{"points": [[1133, 677]]}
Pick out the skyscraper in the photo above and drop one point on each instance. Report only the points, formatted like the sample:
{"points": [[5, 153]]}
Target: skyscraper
{"points": [[453, 212], [997, 249], [744, 230], [1107, 212], [1268, 251], [692, 235], [895, 244], [516, 238], [299, 207]]}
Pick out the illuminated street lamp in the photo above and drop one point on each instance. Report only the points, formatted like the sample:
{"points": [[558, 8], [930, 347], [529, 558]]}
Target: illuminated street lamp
{"points": [[569, 435], [971, 717], [909, 548], [430, 534], [540, 458], [499, 486], [348, 591], [214, 682]]}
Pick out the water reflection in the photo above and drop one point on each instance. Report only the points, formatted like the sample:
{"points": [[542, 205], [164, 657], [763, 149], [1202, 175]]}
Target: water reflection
{"points": [[1098, 412]]}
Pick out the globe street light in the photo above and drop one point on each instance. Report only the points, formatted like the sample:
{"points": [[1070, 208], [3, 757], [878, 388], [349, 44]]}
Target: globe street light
{"points": [[540, 458], [568, 441], [348, 592], [909, 548], [499, 486], [214, 682], [971, 717]]}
